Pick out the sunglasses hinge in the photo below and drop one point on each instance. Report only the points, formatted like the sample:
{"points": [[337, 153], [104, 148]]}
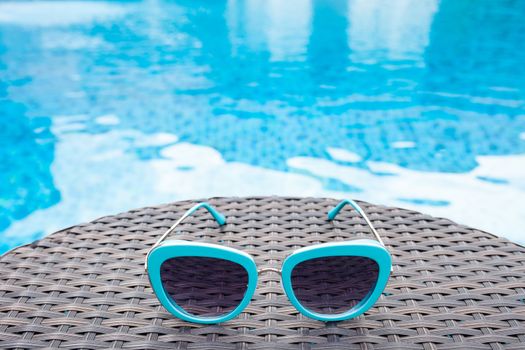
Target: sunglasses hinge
{"points": [[268, 269]]}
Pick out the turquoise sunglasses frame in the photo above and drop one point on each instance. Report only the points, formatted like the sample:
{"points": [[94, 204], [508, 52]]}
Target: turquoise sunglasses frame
{"points": [[163, 250]]}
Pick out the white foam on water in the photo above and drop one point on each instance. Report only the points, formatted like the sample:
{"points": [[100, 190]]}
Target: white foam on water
{"points": [[119, 179], [495, 207], [159, 139], [101, 174], [403, 144], [343, 155], [108, 119]]}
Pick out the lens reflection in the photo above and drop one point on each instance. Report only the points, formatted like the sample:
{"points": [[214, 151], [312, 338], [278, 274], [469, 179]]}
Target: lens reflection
{"points": [[204, 286], [333, 285]]}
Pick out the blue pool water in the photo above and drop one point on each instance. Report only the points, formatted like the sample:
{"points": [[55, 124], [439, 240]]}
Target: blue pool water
{"points": [[108, 106]]}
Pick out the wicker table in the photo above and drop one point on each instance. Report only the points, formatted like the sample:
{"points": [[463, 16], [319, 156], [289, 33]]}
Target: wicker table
{"points": [[452, 287]]}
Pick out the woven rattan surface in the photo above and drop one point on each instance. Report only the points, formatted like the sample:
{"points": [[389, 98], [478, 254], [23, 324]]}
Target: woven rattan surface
{"points": [[452, 287]]}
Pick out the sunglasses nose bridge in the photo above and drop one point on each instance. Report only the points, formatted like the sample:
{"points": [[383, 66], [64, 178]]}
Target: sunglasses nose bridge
{"points": [[268, 269]]}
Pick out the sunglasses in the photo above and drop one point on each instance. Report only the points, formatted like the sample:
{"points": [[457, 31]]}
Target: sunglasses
{"points": [[209, 283]]}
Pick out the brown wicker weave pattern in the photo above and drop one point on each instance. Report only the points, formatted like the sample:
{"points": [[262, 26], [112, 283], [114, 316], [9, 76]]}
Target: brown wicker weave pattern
{"points": [[84, 287]]}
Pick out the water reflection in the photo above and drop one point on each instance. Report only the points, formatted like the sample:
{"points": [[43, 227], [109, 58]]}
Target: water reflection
{"points": [[289, 29], [26, 182], [380, 33], [477, 68], [302, 97]]}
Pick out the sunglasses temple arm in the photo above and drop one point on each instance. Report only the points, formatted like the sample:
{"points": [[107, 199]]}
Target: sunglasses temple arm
{"points": [[333, 213], [221, 220]]}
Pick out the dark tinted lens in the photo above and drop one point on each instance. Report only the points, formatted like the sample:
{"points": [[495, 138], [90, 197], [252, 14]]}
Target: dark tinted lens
{"points": [[204, 286], [335, 284]]}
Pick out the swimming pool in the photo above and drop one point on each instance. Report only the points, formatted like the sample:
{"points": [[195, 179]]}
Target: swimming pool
{"points": [[108, 106]]}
